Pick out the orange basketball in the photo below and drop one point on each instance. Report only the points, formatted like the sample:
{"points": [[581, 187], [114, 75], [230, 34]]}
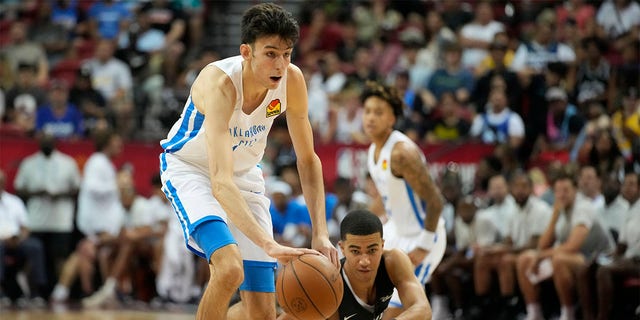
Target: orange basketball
{"points": [[309, 287]]}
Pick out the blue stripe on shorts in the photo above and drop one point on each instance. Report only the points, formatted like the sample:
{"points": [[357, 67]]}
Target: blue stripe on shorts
{"points": [[259, 276], [422, 272]]}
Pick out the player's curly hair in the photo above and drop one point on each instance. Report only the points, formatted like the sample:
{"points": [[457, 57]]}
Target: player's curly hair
{"points": [[386, 93], [268, 19]]}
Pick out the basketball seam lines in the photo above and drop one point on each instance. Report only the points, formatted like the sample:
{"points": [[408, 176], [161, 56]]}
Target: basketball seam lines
{"points": [[284, 268], [335, 296], [305, 291]]}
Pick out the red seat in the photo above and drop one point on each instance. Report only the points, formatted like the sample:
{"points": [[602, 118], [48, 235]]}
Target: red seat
{"points": [[66, 70], [85, 49], [631, 282], [5, 26]]}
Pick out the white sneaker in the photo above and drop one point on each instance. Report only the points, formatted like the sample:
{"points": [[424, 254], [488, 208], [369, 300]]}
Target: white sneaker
{"points": [[533, 317], [99, 299], [441, 312], [38, 303], [60, 294]]}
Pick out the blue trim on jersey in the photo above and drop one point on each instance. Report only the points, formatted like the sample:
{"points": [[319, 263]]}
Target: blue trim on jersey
{"points": [[259, 276], [163, 162], [414, 204], [394, 304], [420, 269], [186, 131]]}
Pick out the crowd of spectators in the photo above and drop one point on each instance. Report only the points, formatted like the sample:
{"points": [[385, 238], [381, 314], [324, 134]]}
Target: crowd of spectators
{"points": [[553, 85]]}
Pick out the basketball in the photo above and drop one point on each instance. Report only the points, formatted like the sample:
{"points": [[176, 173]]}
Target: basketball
{"points": [[309, 287]]}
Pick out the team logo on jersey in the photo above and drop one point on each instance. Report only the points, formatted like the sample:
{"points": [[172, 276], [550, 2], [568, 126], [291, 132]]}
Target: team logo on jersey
{"points": [[384, 164], [274, 108]]}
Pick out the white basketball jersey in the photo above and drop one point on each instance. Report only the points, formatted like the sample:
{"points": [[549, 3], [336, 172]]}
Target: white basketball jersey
{"points": [[187, 139], [403, 206]]}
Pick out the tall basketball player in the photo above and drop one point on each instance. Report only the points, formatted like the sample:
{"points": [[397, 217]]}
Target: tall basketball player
{"points": [[210, 169]]}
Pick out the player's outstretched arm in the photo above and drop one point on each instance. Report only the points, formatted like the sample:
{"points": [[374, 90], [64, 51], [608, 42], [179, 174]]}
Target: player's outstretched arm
{"points": [[406, 162], [308, 162], [213, 94], [412, 295]]}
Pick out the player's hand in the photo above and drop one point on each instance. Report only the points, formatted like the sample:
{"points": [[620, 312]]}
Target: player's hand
{"points": [[324, 245], [417, 255], [558, 206], [536, 265], [285, 254]]}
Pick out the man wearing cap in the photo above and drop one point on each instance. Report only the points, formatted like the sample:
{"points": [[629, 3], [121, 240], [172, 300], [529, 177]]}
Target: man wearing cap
{"points": [[89, 101], [563, 122], [23, 99]]}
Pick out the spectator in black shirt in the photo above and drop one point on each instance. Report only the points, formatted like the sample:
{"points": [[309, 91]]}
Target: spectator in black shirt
{"points": [[90, 102]]}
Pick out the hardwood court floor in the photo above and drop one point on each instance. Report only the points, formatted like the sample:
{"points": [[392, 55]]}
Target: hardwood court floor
{"points": [[93, 315]]}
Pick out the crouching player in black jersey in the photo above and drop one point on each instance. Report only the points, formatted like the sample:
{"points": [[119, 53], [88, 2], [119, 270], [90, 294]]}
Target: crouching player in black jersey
{"points": [[370, 274]]}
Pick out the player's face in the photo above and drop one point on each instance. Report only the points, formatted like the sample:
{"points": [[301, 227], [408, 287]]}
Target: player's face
{"points": [[268, 58], [378, 118], [362, 254]]}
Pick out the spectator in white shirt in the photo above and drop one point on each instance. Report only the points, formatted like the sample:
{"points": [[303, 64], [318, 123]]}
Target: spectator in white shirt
{"points": [[329, 76], [623, 264], [590, 186], [472, 231], [617, 17], [503, 207], [16, 241], [140, 236], [614, 215], [99, 200], [176, 273], [533, 56], [573, 235], [113, 79], [100, 216], [524, 228], [626, 261], [476, 36], [49, 180], [498, 124]]}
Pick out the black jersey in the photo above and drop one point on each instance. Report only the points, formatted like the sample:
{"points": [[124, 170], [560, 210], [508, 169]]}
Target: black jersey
{"points": [[351, 308]]}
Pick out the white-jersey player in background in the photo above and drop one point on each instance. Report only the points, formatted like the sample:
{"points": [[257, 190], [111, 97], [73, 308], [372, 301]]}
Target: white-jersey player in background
{"points": [[411, 200]]}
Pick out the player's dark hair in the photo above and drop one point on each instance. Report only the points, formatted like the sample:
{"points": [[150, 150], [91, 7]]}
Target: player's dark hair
{"points": [[386, 93], [360, 223], [268, 19]]}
